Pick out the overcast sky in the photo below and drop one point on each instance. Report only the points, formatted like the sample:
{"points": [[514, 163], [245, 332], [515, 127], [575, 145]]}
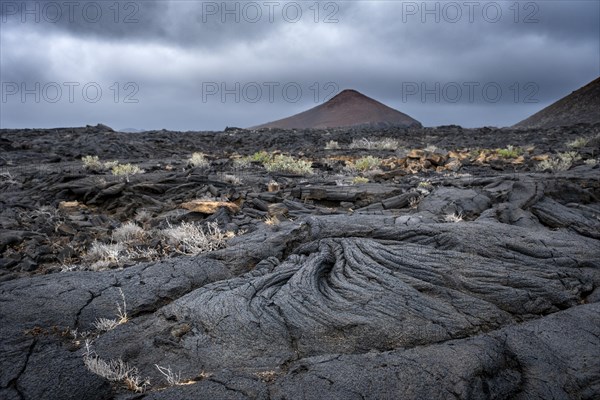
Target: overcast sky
{"points": [[192, 65]]}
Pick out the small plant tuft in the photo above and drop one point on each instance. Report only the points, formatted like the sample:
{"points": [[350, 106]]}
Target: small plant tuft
{"points": [[273, 186], [126, 170], [261, 157], [432, 149], [454, 217], [232, 179], [132, 243], [92, 163], [578, 143], [114, 370], [560, 162], [191, 239], [365, 164], [241, 163], [510, 152], [288, 164], [127, 232], [103, 255], [376, 144], [106, 324], [414, 202], [332, 145], [272, 220], [198, 160], [359, 179], [172, 378]]}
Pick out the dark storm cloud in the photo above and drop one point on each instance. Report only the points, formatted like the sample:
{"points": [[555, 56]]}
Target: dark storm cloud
{"points": [[202, 24], [395, 52], [199, 23]]}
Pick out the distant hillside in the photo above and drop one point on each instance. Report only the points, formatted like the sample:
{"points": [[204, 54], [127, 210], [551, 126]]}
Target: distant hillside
{"points": [[348, 108], [131, 130], [583, 105]]}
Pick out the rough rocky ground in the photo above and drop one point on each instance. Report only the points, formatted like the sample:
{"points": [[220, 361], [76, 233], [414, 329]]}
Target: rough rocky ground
{"points": [[458, 271]]}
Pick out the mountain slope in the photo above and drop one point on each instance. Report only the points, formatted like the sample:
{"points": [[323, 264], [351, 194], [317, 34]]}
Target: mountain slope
{"points": [[348, 108], [582, 105]]}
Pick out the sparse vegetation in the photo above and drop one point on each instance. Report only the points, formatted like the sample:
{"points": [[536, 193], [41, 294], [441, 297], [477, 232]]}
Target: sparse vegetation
{"points": [[102, 255], [332, 145], [142, 216], [172, 378], [306, 235], [110, 164], [454, 217], [127, 232], [288, 164], [560, 162], [272, 220], [191, 239], [107, 324], [114, 370], [431, 148], [241, 163], [126, 170], [273, 186], [8, 179], [510, 152], [198, 160], [261, 157], [232, 179], [276, 163], [267, 376], [378, 144], [130, 242], [424, 188], [578, 143], [414, 202], [474, 153], [93, 163], [365, 164], [359, 179]]}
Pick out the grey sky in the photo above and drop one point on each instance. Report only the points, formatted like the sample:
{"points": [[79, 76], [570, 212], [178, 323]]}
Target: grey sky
{"points": [[440, 62]]}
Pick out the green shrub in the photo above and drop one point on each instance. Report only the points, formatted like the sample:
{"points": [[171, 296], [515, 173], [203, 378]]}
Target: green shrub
{"points": [[365, 164], [359, 179], [261, 157], [282, 163], [510, 152]]}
